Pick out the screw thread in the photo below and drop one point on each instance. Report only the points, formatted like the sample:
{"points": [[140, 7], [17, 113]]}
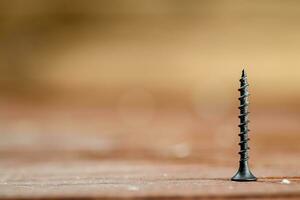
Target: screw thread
{"points": [[244, 121]]}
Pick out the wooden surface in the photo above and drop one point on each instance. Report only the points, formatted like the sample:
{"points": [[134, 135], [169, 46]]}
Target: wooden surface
{"points": [[95, 155], [124, 179]]}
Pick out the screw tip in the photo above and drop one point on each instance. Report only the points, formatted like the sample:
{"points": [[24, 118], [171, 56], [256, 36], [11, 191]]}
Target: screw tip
{"points": [[244, 73]]}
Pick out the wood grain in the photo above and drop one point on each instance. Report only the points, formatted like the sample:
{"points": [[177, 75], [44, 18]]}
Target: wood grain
{"points": [[139, 180], [93, 155]]}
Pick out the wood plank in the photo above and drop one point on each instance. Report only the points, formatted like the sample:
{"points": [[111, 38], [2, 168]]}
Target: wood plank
{"points": [[177, 156], [139, 180]]}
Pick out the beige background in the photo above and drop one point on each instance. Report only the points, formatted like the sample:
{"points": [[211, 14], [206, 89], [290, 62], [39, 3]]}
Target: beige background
{"points": [[173, 52]]}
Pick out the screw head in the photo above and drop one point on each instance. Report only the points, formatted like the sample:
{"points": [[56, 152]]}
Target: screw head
{"points": [[244, 176]]}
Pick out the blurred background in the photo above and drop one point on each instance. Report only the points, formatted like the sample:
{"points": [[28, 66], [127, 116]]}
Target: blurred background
{"points": [[154, 80]]}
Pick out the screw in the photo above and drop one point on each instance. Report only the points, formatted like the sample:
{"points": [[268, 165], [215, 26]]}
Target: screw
{"points": [[244, 173]]}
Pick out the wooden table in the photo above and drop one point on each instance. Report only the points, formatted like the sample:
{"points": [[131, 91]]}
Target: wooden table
{"points": [[97, 155]]}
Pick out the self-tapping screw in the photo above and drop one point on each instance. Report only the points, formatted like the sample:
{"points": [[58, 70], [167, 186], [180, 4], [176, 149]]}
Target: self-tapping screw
{"points": [[244, 173]]}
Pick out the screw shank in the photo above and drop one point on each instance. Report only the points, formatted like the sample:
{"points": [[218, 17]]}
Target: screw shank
{"points": [[244, 94]]}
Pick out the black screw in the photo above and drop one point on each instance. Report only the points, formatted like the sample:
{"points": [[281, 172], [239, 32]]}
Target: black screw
{"points": [[244, 173]]}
